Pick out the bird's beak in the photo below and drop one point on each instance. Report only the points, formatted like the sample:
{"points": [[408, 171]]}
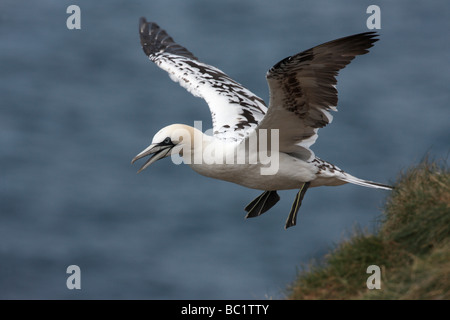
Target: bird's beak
{"points": [[158, 151]]}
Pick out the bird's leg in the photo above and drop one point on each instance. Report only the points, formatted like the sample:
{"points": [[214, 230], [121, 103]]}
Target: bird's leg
{"points": [[252, 207], [262, 203], [292, 218]]}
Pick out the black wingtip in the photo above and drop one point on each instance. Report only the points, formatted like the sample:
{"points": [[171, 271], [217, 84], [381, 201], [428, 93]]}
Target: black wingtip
{"points": [[361, 42], [142, 21], [144, 26], [155, 40]]}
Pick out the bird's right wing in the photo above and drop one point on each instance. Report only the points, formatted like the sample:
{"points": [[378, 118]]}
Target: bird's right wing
{"points": [[235, 110]]}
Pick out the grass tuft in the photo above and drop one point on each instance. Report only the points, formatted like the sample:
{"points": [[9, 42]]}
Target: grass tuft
{"points": [[412, 247]]}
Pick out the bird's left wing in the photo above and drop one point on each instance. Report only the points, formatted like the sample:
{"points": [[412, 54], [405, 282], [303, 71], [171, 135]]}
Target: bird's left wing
{"points": [[302, 91], [235, 110]]}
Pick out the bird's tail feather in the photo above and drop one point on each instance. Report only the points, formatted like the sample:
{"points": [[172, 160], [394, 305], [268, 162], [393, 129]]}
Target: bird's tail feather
{"points": [[365, 183]]}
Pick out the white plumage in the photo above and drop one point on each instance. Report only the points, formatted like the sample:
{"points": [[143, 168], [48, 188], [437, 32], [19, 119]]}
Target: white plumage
{"points": [[302, 92]]}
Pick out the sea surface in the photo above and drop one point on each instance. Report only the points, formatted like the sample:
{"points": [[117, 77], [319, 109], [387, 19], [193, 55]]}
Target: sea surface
{"points": [[76, 105]]}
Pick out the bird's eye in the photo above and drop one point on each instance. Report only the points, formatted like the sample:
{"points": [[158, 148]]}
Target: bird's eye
{"points": [[167, 140]]}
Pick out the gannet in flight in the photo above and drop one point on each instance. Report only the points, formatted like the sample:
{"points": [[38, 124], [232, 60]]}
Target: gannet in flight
{"points": [[302, 91]]}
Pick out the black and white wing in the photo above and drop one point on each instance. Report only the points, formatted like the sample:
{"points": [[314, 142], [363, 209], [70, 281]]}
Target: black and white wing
{"points": [[234, 109], [302, 91]]}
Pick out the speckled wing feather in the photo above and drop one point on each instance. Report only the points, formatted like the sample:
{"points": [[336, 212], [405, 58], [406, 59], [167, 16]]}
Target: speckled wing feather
{"points": [[302, 91], [234, 109]]}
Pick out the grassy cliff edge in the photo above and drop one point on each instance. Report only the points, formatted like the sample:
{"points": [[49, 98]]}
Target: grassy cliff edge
{"points": [[411, 247]]}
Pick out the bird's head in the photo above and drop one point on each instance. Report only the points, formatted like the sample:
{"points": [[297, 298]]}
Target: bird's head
{"points": [[175, 139]]}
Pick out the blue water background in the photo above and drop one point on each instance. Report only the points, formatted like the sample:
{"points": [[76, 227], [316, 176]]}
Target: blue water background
{"points": [[77, 105]]}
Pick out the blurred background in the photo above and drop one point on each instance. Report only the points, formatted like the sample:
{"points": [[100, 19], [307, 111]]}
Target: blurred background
{"points": [[78, 105]]}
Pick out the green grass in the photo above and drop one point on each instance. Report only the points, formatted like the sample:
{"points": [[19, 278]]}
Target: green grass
{"points": [[411, 246]]}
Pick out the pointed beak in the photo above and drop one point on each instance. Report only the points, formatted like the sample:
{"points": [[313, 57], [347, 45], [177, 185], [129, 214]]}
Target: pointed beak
{"points": [[157, 151]]}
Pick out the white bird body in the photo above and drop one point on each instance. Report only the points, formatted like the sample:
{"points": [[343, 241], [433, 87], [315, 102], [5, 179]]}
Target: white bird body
{"points": [[252, 145], [292, 173]]}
